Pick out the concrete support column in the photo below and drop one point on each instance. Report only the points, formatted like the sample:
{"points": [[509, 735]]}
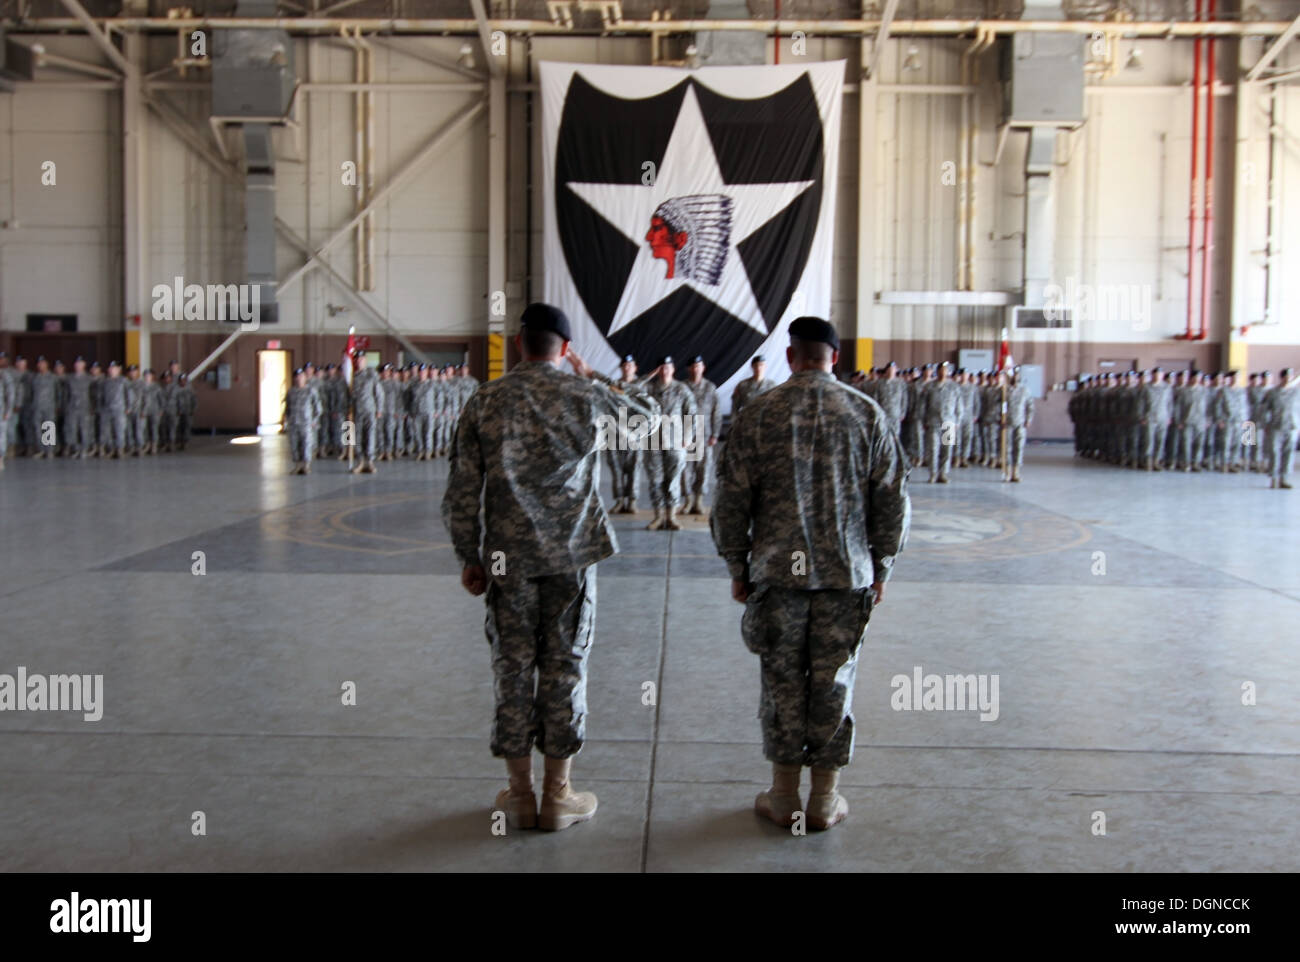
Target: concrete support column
{"points": [[1244, 194], [135, 171], [498, 118], [867, 212]]}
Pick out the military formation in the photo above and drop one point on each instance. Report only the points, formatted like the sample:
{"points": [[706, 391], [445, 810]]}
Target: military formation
{"points": [[92, 411], [387, 413], [813, 474], [954, 419], [1192, 422]]}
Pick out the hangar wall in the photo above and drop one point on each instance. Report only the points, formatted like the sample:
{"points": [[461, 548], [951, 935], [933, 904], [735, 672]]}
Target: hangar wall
{"points": [[1121, 227]]}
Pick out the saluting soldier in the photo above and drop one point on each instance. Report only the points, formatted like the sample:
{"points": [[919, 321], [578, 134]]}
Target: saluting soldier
{"points": [[367, 402], [624, 453], [708, 415], [665, 455], [812, 509], [750, 388], [526, 521], [302, 413]]}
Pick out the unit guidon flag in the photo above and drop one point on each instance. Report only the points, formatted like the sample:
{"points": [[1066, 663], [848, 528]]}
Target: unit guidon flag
{"points": [[689, 211]]}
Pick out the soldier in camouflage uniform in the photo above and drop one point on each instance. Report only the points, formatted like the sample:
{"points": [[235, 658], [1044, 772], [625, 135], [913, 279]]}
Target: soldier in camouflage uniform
{"points": [[47, 393], [524, 513], [422, 399], [1155, 405], [1281, 409], [941, 410], [367, 402], [709, 415], [302, 413], [970, 405], [1228, 412], [665, 456], [751, 387], [445, 411], [112, 411], [991, 421], [624, 453], [811, 511], [187, 403], [8, 405], [78, 419], [151, 404], [22, 437], [1189, 415], [1257, 453], [1020, 411], [170, 408], [890, 392], [389, 413], [134, 402]]}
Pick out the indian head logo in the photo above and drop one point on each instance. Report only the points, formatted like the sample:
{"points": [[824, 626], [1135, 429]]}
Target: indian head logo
{"points": [[692, 234], [706, 256]]}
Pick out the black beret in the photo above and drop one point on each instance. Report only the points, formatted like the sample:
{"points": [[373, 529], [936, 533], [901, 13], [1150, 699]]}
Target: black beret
{"points": [[544, 317], [698, 359], [628, 359], [814, 329], [758, 359], [666, 359], [301, 370]]}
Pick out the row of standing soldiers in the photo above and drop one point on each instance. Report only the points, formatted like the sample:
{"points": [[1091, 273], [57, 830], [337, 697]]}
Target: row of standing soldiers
{"points": [[953, 419], [394, 412], [92, 412], [1197, 421]]}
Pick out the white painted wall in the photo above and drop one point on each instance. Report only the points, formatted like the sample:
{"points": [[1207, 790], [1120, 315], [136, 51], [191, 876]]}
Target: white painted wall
{"points": [[1121, 197]]}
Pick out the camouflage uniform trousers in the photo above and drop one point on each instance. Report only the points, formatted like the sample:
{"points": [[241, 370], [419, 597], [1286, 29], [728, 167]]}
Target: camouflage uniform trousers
{"points": [[622, 472], [1257, 453], [1153, 442], [424, 434], [696, 474], [664, 469], [1283, 450], [76, 432], [1227, 453], [167, 429], [914, 439], [1190, 444], [540, 631], [365, 435], [134, 432], [1016, 446], [808, 644], [5, 425], [388, 440], [336, 430], [968, 443], [940, 460], [442, 433], [148, 429], [112, 433], [302, 441]]}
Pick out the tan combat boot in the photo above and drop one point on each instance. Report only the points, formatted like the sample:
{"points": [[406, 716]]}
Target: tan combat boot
{"points": [[519, 801], [780, 802], [306, 468], [670, 522], [697, 504], [368, 467], [357, 468], [631, 506], [657, 523], [561, 805], [826, 806]]}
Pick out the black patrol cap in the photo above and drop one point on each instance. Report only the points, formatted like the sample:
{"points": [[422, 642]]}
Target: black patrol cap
{"points": [[816, 330], [544, 317]]}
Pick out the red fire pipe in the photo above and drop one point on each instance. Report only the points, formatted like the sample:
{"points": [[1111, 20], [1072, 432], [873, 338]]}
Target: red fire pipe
{"points": [[1191, 202], [1207, 208]]}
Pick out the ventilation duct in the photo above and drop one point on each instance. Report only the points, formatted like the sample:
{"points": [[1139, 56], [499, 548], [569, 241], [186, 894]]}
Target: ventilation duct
{"points": [[253, 86]]}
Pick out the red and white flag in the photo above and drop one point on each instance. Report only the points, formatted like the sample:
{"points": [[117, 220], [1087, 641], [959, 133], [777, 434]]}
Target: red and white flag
{"points": [[350, 356], [1005, 360]]}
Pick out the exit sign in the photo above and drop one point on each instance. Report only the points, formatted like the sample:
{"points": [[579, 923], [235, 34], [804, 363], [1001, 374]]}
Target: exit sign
{"points": [[273, 345]]}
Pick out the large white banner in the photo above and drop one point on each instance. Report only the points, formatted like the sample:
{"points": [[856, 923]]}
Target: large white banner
{"points": [[689, 212]]}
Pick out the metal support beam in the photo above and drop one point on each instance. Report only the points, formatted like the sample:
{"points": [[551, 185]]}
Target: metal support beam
{"points": [[497, 206], [485, 36], [316, 258], [886, 21], [1271, 53], [99, 36], [867, 207], [136, 289]]}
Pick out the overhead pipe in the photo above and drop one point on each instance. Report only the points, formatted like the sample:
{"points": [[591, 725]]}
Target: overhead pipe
{"points": [[470, 26], [1191, 199], [1207, 208]]}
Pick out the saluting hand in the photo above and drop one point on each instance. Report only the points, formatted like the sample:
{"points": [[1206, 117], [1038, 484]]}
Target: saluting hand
{"points": [[877, 593], [580, 367], [474, 579], [740, 590]]}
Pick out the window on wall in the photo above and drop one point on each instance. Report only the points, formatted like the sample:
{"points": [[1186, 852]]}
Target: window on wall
{"points": [[51, 323]]}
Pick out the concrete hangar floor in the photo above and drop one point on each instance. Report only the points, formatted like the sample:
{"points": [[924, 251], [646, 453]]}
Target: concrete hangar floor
{"points": [[1129, 619]]}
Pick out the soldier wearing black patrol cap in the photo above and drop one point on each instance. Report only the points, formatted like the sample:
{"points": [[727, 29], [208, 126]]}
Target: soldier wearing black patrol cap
{"points": [[708, 418], [751, 387], [623, 453], [528, 527], [665, 450]]}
